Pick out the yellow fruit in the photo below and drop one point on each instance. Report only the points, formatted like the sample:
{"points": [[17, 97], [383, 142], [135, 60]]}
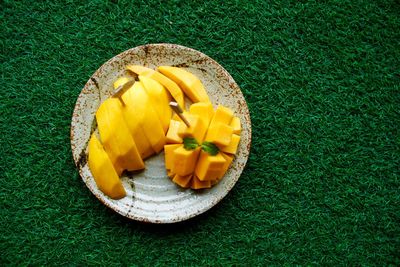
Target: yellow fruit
{"points": [[209, 167], [204, 110], [170, 85], [197, 184], [233, 145], [159, 100], [121, 81], [184, 160], [183, 181], [169, 156], [196, 130], [116, 138], [189, 83], [236, 125], [140, 109], [103, 171], [172, 134], [223, 115], [219, 134]]}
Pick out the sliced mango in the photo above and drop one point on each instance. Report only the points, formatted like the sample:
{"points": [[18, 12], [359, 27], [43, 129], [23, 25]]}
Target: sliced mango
{"points": [[103, 171], [209, 167], [198, 184], [159, 100], [121, 81], [190, 84], [204, 110], [169, 157], [172, 134], [184, 160], [223, 115], [116, 138], [219, 134], [233, 145], [170, 85], [196, 130], [236, 125], [183, 181], [138, 102], [229, 159]]}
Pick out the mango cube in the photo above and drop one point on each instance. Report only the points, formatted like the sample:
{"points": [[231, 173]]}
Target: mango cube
{"points": [[196, 130], [209, 167], [183, 181], [204, 110], [223, 115], [184, 160], [219, 134], [172, 134], [198, 184], [236, 125], [169, 157], [233, 145]]}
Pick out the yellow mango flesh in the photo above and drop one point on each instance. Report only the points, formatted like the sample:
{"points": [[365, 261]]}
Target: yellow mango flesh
{"points": [[233, 145], [141, 110], [103, 171], [209, 167], [169, 156], [116, 138], [219, 134], [204, 110], [198, 184], [236, 125], [196, 130], [182, 181], [184, 160], [172, 134], [189, 83], [223, 115], [121, 81], [159, 100], [170, 85], [228, 161], [132, 119]]}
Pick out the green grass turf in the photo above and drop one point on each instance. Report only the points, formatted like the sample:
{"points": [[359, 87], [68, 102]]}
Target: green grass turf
{"points": [[322, 185]]}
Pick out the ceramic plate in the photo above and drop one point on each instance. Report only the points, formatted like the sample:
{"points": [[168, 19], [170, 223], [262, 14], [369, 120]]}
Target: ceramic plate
{"points": [[151, 196]]}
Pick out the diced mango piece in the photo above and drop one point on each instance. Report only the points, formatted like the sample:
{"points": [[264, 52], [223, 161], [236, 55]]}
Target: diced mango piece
{"points": [[184, 160], [182, 181], [103, 171], [172, 134], [236, 125], [159, 100], [116, 138], [209, 167], [169, 157], [219, 134], [170, 174], [198, 184], [190, 84], [196, 130], [233, 145], [170, 85], [139, 105], [121, 81], [223, 115], [204, 110], [229, 159]]}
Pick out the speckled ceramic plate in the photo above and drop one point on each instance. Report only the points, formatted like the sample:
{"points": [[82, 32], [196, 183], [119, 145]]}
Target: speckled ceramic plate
{"points": [[151, 196]]}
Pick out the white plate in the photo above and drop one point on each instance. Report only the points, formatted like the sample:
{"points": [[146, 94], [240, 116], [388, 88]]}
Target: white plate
{"points": [[151, 196]]}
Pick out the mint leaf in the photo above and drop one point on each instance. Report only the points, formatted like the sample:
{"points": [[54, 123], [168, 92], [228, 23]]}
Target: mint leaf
{"points": [[210, 148], [190, 143]]}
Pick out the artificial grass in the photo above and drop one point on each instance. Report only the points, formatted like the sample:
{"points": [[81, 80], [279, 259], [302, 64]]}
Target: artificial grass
{"points": [[322, 185]]}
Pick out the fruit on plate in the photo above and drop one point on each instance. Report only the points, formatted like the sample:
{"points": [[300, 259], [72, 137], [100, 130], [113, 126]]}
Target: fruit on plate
{"points": [[190, 84], [137, 122], [103, 170], [199, 155]]}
